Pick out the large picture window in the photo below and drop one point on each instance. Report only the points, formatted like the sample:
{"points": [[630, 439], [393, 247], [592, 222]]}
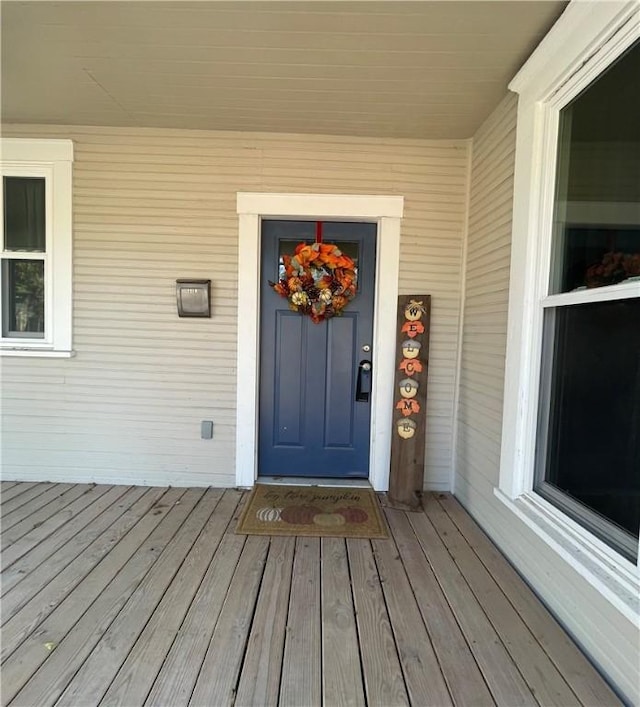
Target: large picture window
{"points": [[588, 437], [35, 247]]}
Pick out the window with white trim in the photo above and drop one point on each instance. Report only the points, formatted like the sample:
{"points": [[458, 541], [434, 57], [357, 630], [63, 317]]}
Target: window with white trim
{"points": [[569, 456], [588, 437], [36, 247]]}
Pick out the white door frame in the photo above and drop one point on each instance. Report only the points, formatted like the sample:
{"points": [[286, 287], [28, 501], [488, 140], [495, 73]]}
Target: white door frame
{"points": [[386, 212]]}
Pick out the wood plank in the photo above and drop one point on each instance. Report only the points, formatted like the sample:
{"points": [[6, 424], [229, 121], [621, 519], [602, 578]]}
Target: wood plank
{"points": [[500, 672], [138, 672], [20, 515], [260, 675], [57, 540], [51, 527], [27, 607], [545, 680], [177, 677], [423, 678], [460, 670], [36, 575], [218, 676], [301, 679], [93, 604], [33, 577], [37, 518], [92, 680], [341, 670], [584, 680], [383, 680], [21, 494]]}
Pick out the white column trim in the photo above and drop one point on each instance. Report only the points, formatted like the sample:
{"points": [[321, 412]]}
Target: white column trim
{"points": [[384, 352], [247, 358], [386, 212]]}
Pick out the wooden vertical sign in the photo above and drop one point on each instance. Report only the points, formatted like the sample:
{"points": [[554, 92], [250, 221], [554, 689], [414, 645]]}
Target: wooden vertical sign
{"points": [[406, 478]]}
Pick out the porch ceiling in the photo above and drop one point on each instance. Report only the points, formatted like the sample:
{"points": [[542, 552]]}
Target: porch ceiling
{"points": [[390, 69]]}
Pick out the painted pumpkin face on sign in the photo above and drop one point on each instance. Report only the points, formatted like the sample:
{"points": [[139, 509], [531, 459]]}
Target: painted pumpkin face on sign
{"points": [[406, 428], [411, 349], [408, 388], [414, 310]]}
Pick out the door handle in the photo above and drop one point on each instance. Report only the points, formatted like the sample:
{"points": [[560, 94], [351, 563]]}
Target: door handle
{"points": [[362, 394]]}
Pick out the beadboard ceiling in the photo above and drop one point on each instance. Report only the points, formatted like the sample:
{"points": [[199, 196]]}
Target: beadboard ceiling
{"points": [[389, 69]]}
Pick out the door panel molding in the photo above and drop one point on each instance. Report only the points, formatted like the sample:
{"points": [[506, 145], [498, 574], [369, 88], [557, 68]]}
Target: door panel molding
{"points": [[386, 212]]}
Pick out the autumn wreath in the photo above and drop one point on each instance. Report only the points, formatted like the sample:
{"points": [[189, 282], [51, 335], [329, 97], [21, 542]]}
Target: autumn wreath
{"points": [[319, 280]]}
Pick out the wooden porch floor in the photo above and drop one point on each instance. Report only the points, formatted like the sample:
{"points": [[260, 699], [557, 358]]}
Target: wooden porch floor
{"points": [[115, 595]]}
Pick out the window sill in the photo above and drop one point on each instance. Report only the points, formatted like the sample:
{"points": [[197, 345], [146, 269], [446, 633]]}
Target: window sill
{"points": [[36, 353], [617, 579]]}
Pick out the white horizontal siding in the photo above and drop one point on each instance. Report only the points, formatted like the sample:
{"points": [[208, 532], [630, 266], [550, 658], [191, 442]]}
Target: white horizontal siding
{"points": [[605, 634], [486, 296], [151, 206]]}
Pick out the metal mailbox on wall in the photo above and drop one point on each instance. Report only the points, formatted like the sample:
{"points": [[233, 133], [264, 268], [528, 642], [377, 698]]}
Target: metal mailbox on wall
{"points": [[193, 298]]}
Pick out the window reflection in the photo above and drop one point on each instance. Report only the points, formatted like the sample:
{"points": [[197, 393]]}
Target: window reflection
{"points": [[597, 215], [24, 297]]}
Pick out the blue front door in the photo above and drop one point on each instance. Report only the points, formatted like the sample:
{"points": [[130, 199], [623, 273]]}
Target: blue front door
{"points": [[315, 379]]}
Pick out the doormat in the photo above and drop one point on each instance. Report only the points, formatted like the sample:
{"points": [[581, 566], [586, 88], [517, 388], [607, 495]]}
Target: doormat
{"points": [[314, 511]]}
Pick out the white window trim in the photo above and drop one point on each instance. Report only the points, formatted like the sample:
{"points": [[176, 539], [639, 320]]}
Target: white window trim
{"points": [[386, 211], [586, 39], [52, 159]]}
